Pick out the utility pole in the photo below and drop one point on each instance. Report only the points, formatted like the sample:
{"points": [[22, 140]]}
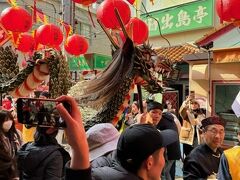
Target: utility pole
{"points": [[67, 10]]}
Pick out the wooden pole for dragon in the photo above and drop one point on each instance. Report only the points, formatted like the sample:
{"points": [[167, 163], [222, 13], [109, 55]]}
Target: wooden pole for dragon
{"points": [[140, 101], [108, 35], [139, 89]]}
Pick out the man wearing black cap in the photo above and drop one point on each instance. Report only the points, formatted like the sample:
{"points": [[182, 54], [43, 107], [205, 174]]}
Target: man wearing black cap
{"points": [[140, 149], [203, 161], [165, 121]]}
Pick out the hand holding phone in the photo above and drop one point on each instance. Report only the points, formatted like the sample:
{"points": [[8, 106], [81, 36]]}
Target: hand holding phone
{"points": [[75, 133], [40, 112]]}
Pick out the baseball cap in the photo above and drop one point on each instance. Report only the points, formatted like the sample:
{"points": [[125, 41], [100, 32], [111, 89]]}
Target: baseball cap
{"points": [[139, 141], [102, 138], [212, 120]]}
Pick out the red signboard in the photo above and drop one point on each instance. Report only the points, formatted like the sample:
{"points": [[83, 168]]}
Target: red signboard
{"points": [[4, 37]]}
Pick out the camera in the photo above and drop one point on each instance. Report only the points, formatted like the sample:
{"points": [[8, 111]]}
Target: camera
{"points": [[40, 112]]}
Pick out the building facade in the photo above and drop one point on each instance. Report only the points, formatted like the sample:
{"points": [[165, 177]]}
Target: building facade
{"points": [[174, 26]]}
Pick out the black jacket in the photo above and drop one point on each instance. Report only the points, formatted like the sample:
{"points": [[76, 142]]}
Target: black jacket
{"points": [[167, 122], [102, 168], [201, 163], [42, 162]]}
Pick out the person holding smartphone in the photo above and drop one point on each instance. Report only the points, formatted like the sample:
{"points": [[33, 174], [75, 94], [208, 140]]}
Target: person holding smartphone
{"points": [[192, 116]]}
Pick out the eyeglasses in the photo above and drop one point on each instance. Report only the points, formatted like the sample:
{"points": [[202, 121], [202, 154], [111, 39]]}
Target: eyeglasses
{"points": [[214, 132]]}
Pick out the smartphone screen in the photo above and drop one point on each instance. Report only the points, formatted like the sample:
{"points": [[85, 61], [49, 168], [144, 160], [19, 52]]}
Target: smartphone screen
{"points": [[39, 112]]}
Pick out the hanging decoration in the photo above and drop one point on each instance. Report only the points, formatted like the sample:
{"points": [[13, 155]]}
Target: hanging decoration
{"points": [[106, 14], [228, 10], [16, 19], [67, 27], [49, 35], [26, 43], [41, 17], [76, 45]]}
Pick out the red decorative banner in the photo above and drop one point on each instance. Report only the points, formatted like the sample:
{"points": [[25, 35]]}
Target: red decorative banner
{"points": [[67, 27], [4, 37], [39, 16]]}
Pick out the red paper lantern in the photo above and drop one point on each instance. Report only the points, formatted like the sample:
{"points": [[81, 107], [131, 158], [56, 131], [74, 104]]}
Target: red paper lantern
{"points": [[228, 10], [137, 31], [26, 43], [49, 35], [76, 45], [106, 14], [16, 19], [85, 2]]}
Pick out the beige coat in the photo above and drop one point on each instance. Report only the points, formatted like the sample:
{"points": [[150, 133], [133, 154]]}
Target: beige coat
{"points": [[189, 122]]}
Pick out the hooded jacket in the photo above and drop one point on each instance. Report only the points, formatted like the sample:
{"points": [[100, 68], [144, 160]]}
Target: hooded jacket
{"points": [[41, 162]]}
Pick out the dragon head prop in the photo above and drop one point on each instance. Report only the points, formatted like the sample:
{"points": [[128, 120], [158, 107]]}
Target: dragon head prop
{"points": [[109, 92]]}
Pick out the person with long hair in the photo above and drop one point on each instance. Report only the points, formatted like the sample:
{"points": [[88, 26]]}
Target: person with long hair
{"points": [[10, 142]]}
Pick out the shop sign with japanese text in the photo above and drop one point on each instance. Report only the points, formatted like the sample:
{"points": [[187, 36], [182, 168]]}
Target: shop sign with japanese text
{"points": [[190, 16]]}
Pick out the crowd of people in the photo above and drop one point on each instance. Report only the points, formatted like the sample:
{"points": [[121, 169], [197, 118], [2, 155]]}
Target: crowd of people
{"points": [[145, 145]]}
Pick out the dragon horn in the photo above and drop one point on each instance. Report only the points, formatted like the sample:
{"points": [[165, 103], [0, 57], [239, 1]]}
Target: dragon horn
{"points": [[121, 23], [108, 35]]}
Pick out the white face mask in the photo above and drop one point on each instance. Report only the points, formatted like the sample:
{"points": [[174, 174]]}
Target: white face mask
{"points": [[7, 125]]}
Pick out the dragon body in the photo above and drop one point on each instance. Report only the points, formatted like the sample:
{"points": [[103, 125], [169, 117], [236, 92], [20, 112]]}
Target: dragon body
{"points": [[43, 64]]}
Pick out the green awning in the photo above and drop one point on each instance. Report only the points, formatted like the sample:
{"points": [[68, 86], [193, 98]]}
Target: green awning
{"points": [[89, 62]]}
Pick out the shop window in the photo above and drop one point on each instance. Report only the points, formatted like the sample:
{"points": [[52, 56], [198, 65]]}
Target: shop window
{"points": [[224, 95], [84, 29]]}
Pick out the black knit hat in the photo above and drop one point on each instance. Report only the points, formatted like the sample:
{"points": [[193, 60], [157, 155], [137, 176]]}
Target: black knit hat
{"points": [[154, 105]]}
